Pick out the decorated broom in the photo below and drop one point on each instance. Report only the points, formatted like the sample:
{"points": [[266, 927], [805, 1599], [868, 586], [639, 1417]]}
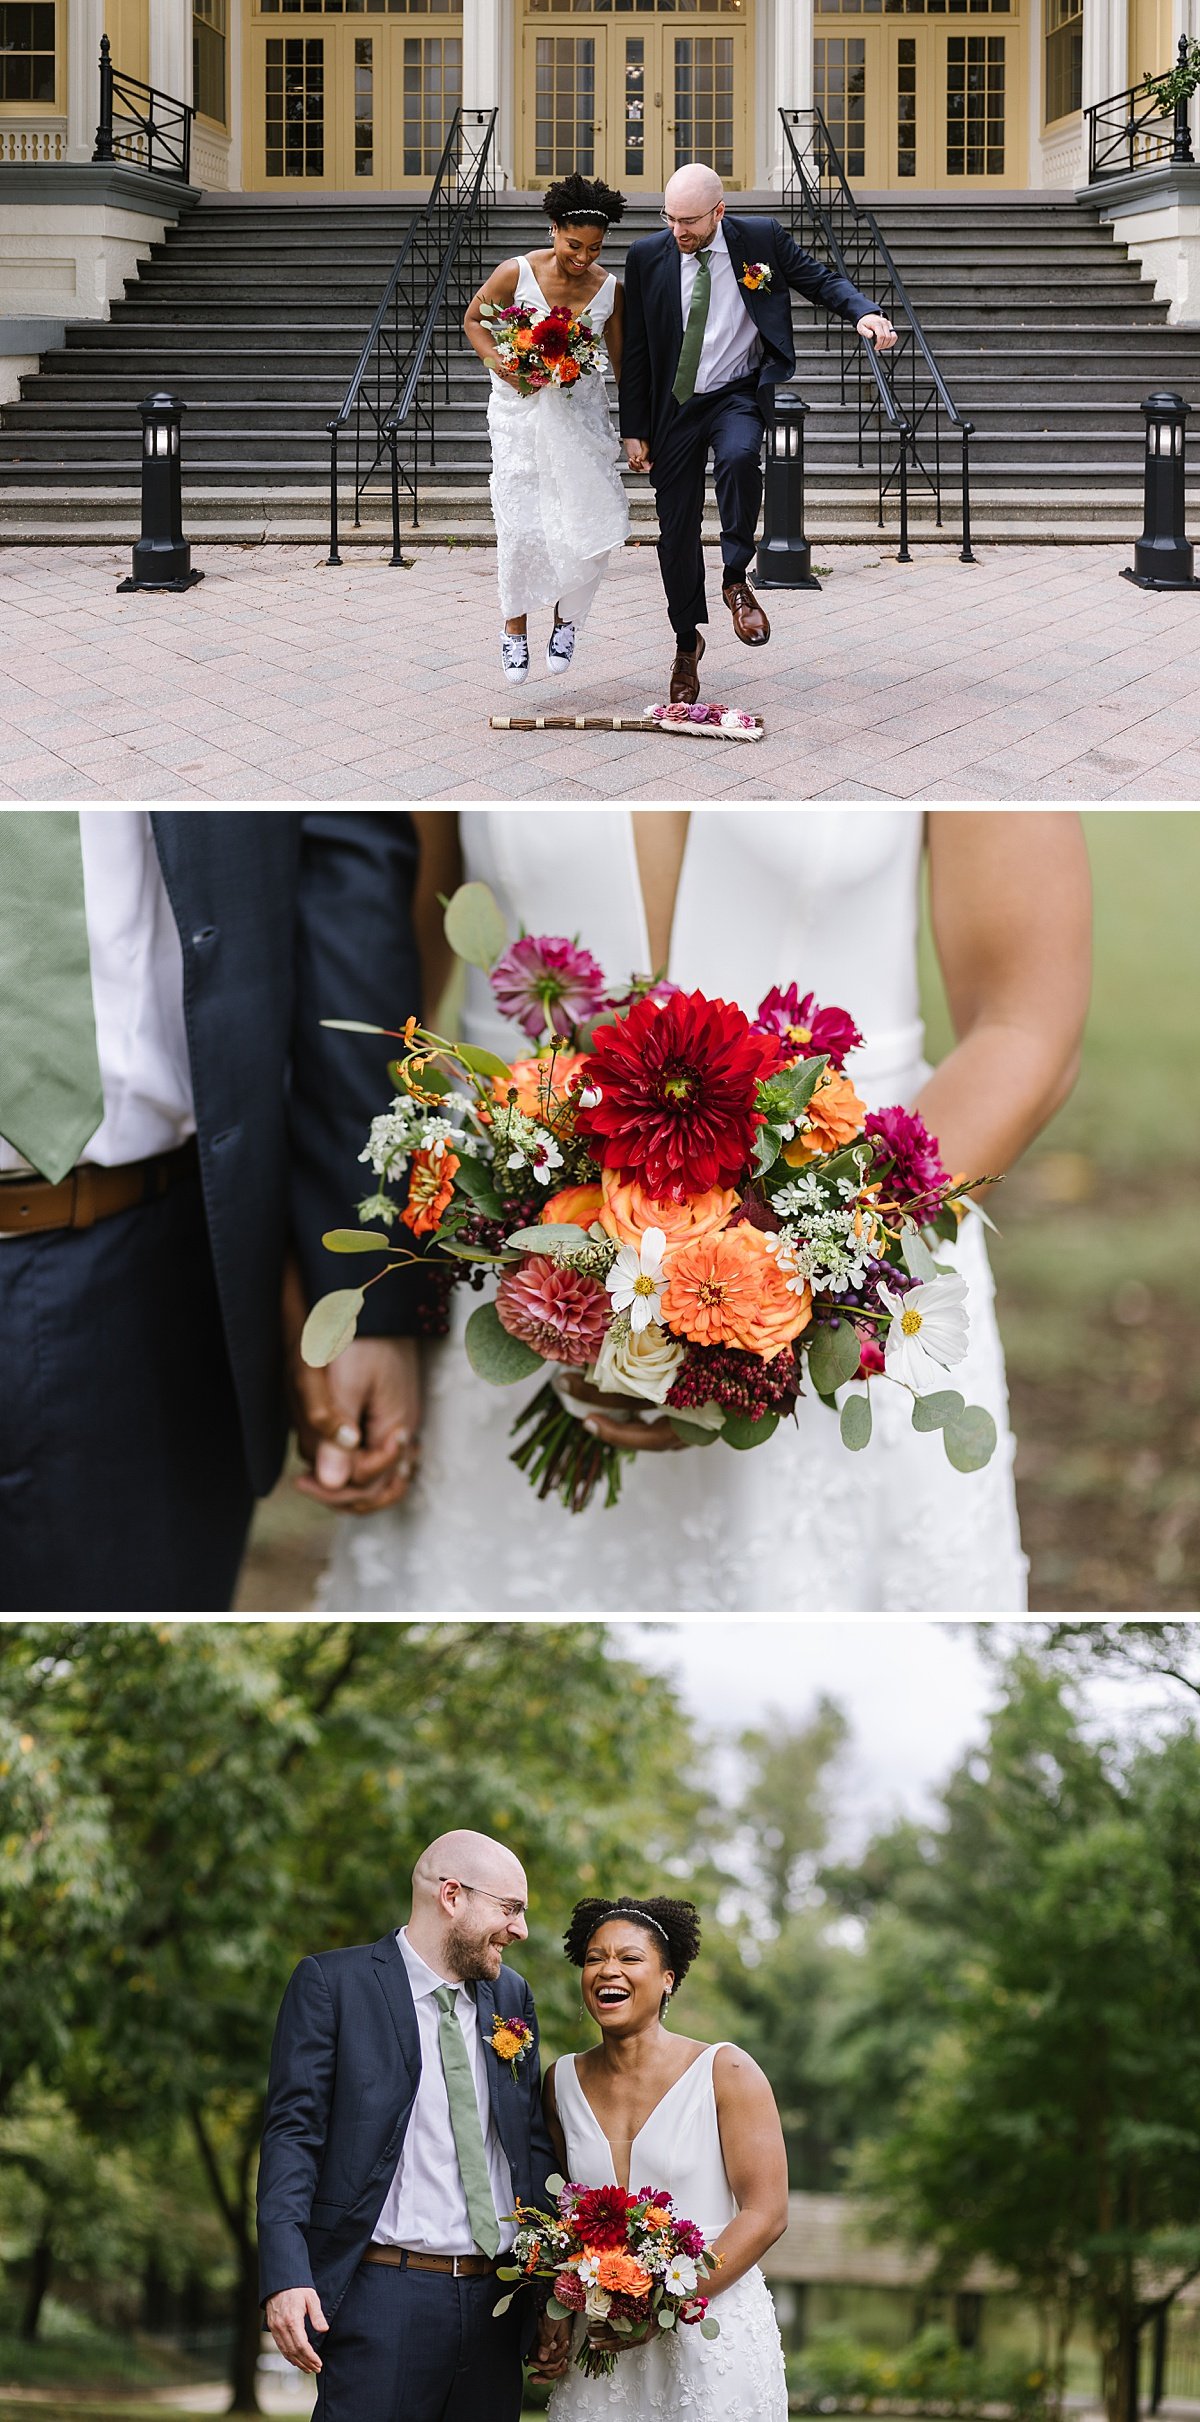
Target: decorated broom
{"points": [[689, 722]]}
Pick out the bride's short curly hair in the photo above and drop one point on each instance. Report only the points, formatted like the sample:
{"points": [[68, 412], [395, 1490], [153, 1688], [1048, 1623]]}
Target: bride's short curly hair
{"points": [[673, 1925], [586, 199]]}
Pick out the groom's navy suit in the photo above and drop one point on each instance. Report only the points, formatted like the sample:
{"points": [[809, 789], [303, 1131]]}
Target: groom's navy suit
{"points": [[142, 1404], [729, 419], [345, 2069]]}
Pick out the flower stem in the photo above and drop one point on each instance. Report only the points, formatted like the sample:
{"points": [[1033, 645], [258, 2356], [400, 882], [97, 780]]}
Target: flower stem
{"points": [[563, 1458]]}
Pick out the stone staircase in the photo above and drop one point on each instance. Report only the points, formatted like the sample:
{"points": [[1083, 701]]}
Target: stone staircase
{"points": [[254, 312]]}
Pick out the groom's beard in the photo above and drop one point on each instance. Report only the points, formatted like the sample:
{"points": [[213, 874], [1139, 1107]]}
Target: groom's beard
{"points": [[473, 1961]]}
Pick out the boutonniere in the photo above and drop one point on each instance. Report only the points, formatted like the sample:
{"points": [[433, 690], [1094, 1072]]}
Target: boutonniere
{"points": [[756, 275], [510, 2040]]}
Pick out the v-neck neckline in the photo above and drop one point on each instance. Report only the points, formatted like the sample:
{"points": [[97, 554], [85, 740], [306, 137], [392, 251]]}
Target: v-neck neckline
{"points": [[641, 918], [549, 307], [602, 2132]]}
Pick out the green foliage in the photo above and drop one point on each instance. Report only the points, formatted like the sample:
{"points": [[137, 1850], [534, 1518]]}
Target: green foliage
{"points": [[970, 1438], [475, 927], [833, 1356], [356, 1240], [856, 1423], [330, 1325], [930, 2373], [493, 1354], [741, 1431]]}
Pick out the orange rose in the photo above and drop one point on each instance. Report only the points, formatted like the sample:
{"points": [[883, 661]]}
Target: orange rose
{"points": [[576, 1206], [834, 1117], [728, 1290], [568, 371], [628, 1212], [622, 2276], [529, 1080], [430, 1187]]}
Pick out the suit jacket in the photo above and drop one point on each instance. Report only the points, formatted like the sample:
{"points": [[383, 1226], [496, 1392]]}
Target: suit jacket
{"points": [[654, 315], [284, 920], [345, 2066]]}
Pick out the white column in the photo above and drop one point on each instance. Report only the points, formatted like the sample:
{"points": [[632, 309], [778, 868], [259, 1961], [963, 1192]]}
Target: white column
{"points": [[1105, 49], [171, 48], [484, 78], [85, 24], [792, 71]]}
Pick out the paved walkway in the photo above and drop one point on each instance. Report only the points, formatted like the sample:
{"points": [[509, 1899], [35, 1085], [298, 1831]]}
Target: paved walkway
{"points": [[1035, 674]]}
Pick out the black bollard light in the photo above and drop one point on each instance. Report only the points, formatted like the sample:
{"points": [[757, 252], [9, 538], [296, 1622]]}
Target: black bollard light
{"points": [[784, 555], [1162, 556], [161, 557]]}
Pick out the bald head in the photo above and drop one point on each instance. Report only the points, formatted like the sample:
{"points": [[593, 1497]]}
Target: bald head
{"points": [[468, 1905], [694, 205]]}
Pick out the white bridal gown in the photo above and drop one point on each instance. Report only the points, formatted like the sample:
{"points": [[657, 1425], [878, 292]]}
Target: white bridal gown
{"points": [[825, 898], [557, 499], [680, 2376]]}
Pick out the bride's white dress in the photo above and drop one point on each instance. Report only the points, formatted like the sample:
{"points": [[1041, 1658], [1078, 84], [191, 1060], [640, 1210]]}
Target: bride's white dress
{"points": [[827, 898], [679, 2376], [557, 499]]}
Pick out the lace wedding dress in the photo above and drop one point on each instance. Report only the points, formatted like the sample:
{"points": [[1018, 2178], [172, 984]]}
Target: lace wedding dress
{"points": [[828, 898], [679, 2376], [557, 499]]}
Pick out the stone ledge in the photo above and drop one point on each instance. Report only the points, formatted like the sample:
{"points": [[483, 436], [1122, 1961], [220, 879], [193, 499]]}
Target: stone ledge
{"points": [[1146, 189], [117, 187]]}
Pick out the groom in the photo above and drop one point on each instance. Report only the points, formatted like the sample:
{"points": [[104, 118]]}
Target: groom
{"points": [[708, 335], [396, 2142]]}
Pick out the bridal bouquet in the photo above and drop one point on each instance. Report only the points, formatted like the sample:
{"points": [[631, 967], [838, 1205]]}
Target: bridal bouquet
{"points": [[622, 2260], [689, 1213], [549, 350]]}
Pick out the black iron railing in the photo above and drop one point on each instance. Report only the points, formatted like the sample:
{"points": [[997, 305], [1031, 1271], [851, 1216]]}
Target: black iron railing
{"points": [[1132, 130], [140, 127], [403, 371], [904, 405]]}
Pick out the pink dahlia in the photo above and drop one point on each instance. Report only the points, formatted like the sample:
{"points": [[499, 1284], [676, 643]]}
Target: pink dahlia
{"points": [[805, 1028], [561, 1313], [570, 2290], [914, 1153], [545, 981]]}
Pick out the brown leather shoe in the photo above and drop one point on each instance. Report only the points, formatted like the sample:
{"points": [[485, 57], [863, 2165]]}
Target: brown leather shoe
{"points": [[749, 620], [685, 674]]}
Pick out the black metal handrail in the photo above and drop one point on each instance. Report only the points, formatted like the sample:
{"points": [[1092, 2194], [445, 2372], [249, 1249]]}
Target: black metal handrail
{"points": [[392, 392], [139, 126], [902, 395], [1123, 138]]}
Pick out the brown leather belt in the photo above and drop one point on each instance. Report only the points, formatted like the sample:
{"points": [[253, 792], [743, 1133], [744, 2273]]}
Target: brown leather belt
{"points": [[28, 1204], [455, 2266]]}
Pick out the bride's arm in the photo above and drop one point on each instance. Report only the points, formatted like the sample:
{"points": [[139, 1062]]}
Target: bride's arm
{"points": [[439, 873], [1010, 898], [614, 331], [500, 287], [755, 2164]]}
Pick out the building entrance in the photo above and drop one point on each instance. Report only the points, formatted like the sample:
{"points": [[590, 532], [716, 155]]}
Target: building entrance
{"points": [[630, 95], [349, 95], [919, 95]]}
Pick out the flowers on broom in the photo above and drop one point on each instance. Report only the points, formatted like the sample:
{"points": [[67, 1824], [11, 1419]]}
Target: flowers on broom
{"points": [[676, 1211], [547, 349], [628, 2264]]}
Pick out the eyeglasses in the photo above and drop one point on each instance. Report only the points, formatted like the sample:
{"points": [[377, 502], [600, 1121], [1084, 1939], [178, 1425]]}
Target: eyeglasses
{"points": [[688, 224], [510, 1908]]}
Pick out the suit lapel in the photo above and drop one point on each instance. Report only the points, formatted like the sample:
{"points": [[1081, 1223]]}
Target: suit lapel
{"points": [[397, 1993], [735, 245], [500, 2083], [671, 294]]}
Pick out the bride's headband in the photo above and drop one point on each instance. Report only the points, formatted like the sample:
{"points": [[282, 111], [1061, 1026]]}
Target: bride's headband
{"points": [[645, 1917], [593, 218]]}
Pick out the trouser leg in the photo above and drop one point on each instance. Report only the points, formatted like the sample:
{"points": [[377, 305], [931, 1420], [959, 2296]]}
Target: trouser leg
{"points": [[678, 481], [419, 2346], [737, 436]]}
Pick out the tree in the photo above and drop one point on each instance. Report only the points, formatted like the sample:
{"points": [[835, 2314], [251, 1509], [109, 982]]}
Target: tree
{"points": [[1083, 1651]]}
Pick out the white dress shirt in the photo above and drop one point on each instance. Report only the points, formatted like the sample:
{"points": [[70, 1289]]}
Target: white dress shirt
{"points": [[732, 345], [426, 2208], [137, 993]]}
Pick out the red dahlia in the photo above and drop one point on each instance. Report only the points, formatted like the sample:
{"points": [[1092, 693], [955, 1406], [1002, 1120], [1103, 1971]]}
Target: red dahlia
{"points": [[550, 337], [677, 1083], [600, 2217]]}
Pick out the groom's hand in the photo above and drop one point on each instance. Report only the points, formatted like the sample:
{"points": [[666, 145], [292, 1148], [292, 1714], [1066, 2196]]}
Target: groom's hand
{"points": [[637, 454], [286, 2315], [552, 2351], [880, 330], [358, 1420]]}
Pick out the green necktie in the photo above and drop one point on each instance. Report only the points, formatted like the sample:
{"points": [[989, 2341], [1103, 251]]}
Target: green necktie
{"points": [[693, 335], [51, 1098], [464, 2119]]}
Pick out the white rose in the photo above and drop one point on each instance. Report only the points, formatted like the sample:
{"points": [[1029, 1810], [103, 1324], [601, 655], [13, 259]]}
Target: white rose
{"points": [[643, 1364], [598, 2304]]}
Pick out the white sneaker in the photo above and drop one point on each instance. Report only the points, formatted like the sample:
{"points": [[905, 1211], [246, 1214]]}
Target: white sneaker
{"points": [[561, 647], [514, 655]]}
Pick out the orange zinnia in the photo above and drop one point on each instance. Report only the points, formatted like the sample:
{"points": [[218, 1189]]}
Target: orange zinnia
{"points": [[622, 2276], [834, 1117], [430, 1187], [529, 1080], [729, 1291], [576, 1206], [629, 1211]]}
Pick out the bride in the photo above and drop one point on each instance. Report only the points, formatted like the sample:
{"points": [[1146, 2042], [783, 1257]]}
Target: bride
{"points": [[557, 497], [731, 901], [648, 2108]]}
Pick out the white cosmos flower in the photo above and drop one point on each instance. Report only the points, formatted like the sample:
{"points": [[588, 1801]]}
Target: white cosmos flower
{"points": [[637, 1279], [588, 2268], [680, 2277], [644, 1363], [928, 1332]]}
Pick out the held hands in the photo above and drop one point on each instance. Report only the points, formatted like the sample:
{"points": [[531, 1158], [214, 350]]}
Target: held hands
{"points": [[287, 2313], [357, 1421], [880, 330], [552, 2351], [638, 454]]}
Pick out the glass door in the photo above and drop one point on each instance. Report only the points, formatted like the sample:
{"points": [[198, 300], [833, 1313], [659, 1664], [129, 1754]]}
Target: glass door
{"points": [[916, 100], [349, 103]]}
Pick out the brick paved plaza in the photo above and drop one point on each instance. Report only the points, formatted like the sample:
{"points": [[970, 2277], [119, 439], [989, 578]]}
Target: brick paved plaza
{"points": [[1035, 674]]}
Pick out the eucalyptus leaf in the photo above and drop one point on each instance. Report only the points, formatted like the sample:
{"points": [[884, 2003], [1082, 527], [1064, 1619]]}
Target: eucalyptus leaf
{"points": [[493, 1354], [475, 927], [356, 1240], [479, 1061], [933, 1412], [557, 2311], [330, 1326], [833, 1356], [710, 2327], [970, 1440], [550, 1236], [555, 2183], [918, 1258], [503, 2305], [856, 1422], [507, 2271], [355, 1026], [666, 2317], [476, 1253], [741, 1432], [693, 1433], [619, 2325]]}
